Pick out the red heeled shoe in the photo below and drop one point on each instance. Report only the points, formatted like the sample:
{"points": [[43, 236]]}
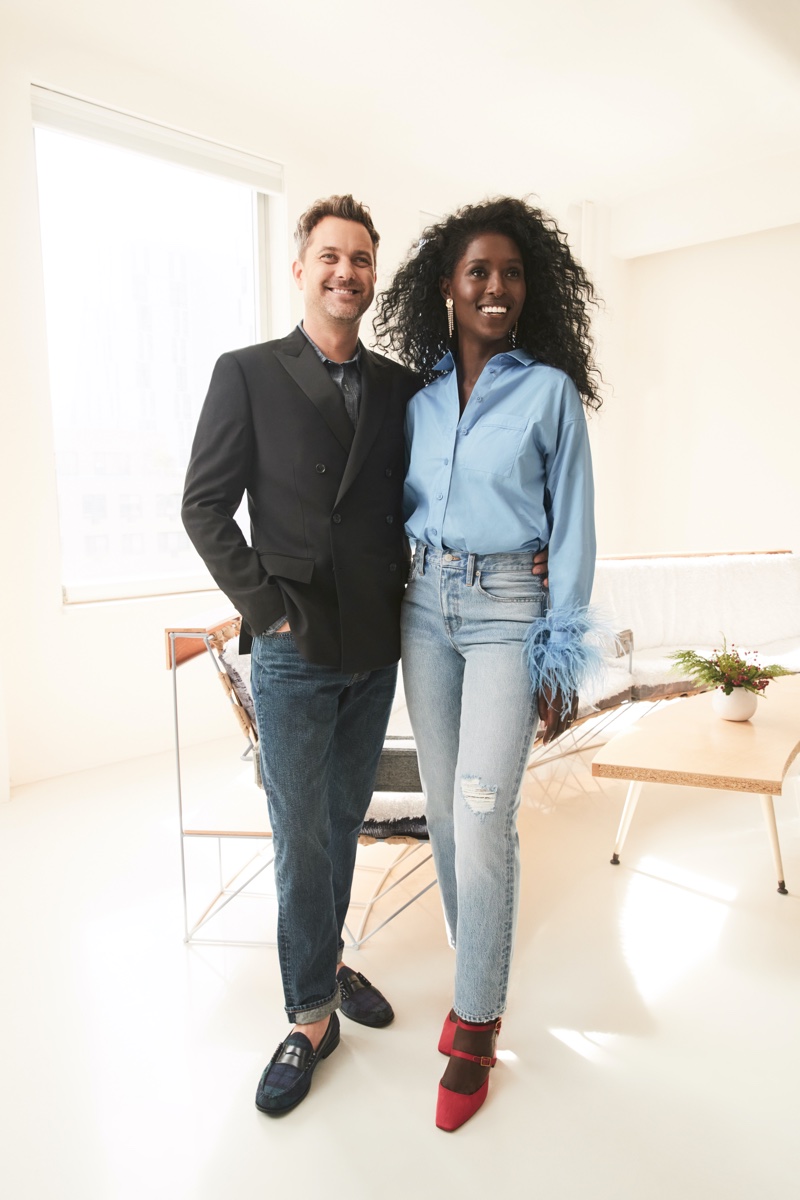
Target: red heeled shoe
{"points": [[454, 1109], [448, 1033]]}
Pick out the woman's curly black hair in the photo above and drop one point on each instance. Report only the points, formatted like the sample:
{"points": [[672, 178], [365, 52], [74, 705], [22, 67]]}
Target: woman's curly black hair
{"points": [[554, 326]]}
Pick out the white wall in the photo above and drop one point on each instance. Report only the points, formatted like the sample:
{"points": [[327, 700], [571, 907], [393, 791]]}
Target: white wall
{"points": [[709, 397], [590, 231]]}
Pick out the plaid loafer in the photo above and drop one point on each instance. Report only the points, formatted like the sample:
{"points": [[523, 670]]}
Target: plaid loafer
{"points": [[287, 1076], [361, 1001]]}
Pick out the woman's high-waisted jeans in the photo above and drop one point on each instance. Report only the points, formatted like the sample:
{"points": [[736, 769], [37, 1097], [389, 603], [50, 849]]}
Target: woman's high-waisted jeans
{"points": [[474, 718]]}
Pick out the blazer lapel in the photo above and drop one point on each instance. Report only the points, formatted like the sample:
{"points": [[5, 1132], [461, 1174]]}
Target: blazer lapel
{"points": [[301, 361], [371, 412]]}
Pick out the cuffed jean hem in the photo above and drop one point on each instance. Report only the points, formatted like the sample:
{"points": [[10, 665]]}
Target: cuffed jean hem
{"points": [[475, 1019], [307, 1016]]}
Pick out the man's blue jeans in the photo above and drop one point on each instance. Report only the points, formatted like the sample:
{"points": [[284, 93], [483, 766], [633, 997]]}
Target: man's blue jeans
{"points": [[321, 733]]}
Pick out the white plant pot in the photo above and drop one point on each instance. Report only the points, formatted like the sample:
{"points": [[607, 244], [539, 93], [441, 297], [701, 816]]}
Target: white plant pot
{"points": [[739, 706]]}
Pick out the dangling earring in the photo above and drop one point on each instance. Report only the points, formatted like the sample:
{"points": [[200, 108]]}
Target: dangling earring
{"points": [[512, 336], [450, 318]]}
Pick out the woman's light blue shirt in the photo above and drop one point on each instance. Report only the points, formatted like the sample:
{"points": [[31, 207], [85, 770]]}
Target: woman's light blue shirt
{"points": [[513, 473]]}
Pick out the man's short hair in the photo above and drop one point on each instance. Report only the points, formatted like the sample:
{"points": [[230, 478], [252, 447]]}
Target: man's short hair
{"points": [[344, 207]]}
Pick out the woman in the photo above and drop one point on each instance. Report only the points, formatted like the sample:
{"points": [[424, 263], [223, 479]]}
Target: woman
{"points": [[492, 310]]}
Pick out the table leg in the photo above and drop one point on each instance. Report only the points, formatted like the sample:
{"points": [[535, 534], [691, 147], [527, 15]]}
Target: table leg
{"points": [[772, 829], [631, 800]]}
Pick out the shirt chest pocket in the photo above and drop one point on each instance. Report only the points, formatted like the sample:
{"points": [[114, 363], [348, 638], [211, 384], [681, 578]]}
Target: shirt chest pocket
{"points": [[492, 445]]}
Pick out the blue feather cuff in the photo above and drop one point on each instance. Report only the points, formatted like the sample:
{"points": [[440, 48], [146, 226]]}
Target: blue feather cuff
{"points": [[564, 651]]}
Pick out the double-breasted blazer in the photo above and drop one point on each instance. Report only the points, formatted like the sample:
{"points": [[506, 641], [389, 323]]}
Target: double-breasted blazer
{"points": [[327, 543]]}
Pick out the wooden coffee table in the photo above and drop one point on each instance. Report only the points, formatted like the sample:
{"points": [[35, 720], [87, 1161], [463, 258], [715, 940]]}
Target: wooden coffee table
{"points": [[686, 743]]}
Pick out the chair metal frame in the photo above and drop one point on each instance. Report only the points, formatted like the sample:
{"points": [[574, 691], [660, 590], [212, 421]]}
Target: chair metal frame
{"points": [[212, 639], [231, 888]]}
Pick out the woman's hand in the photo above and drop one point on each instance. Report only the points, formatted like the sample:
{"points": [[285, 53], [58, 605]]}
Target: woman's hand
{"points": [[550, 705], [539, 566]]}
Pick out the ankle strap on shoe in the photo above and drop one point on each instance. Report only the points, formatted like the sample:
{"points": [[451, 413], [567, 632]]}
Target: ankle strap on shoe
{"points": [[483, 1060], [470, 1028]]}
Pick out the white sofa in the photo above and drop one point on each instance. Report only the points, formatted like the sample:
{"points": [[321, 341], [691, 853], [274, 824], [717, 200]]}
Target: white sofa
{"points": [[662, 603], [673, 602]]}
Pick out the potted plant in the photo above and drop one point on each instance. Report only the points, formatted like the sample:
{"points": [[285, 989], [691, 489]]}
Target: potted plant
{"points": [[739, 678]]}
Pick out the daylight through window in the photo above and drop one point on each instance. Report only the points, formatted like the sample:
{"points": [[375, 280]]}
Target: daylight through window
{"points": [[151, 271]]}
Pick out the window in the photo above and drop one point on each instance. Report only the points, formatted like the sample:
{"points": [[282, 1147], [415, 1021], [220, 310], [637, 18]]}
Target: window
{"points": [[157, 250]]}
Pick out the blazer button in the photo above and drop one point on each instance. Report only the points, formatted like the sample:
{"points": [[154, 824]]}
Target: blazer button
{"points": [[392, 566], [390, 520], [320, 468], [388, 472], [337, 520]]}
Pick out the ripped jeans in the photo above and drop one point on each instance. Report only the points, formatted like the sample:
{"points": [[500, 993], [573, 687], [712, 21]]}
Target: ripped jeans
{"points": [[474, 718]]}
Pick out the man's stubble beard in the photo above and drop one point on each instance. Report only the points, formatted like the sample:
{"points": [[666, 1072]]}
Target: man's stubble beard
{"points": [[345, 315]]}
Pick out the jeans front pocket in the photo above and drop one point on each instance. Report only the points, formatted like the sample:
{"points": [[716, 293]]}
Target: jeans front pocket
{"points": [[512, 587]]}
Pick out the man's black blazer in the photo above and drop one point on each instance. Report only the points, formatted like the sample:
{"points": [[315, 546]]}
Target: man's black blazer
{"points": [[325, 500]]}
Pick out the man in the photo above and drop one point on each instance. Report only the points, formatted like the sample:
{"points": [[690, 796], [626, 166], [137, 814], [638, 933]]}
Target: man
{"points": [[311, 427]]}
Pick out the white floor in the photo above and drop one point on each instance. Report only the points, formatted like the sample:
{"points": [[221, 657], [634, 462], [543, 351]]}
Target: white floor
{"points": [[651, 1046]]}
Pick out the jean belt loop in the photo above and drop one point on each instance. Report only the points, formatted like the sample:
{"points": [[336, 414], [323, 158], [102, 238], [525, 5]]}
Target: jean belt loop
{"points": [[470, 570], [421, 551]]}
